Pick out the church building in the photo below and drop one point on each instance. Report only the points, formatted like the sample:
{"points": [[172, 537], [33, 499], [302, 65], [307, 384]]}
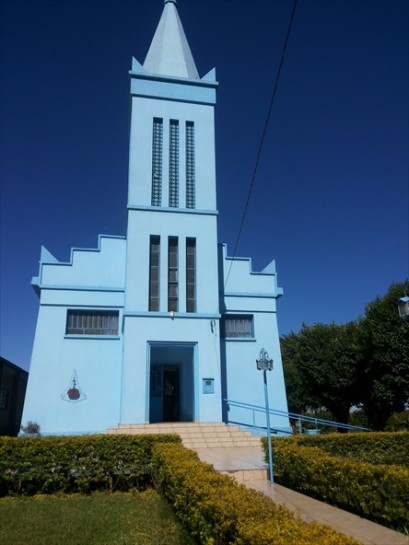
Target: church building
{"points": [[161, 325]]}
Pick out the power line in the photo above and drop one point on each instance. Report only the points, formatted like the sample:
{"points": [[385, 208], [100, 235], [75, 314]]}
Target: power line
{"points": [[263, 135]]}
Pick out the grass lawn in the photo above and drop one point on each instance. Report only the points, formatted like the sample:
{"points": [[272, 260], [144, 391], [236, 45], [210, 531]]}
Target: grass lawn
{"points": [[99, 519]]}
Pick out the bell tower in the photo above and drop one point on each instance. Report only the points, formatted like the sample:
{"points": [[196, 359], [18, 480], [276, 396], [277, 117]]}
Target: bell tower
{"points": [[171, 266]]}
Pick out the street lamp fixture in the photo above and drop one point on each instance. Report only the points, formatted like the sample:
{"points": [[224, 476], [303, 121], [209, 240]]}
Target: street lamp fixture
{"points": [[403, 303], [403, 307], [264, 363]]}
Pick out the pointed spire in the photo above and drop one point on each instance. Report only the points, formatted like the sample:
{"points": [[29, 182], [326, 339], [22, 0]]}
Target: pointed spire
{"points": [[169, 53]]}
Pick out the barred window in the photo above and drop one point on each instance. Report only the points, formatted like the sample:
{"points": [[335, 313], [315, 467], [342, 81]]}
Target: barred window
{"points": [[238, 326], [190, 165], [174, 164], [191, 275], [90, 322], [157, 143], [154, 259]]}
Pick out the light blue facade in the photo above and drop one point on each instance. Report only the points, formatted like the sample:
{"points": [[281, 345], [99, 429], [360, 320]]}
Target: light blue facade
{"points": [[142, 329]]}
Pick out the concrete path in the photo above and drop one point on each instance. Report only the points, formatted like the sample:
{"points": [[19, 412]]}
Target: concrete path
{"points": [[247, 466]]}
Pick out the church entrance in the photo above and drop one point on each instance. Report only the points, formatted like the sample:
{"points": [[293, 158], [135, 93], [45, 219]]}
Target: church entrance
{"points": [[171, 391]]}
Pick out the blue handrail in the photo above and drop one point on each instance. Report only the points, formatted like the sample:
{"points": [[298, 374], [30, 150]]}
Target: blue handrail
{"points": [[295, 416]]}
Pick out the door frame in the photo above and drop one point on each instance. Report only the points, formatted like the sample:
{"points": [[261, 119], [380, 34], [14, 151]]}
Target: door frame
{"points": [[184, 356]]}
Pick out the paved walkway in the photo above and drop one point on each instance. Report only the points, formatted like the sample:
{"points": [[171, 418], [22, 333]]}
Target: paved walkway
{"points": [[246, 464]]}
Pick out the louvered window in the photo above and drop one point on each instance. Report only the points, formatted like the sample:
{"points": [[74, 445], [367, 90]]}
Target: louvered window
{"points": [[190, 165], [174, 163], [154, 257], [157, 143], [90, 322], [191, 275], [173, 286]]}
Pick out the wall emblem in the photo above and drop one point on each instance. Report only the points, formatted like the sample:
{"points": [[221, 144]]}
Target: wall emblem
{"points": [[73, 392]]}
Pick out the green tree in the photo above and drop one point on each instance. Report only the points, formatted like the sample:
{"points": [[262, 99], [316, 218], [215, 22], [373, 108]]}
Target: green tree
{"points": [[320, 366], [384, 373], [328, 361], [364, 363], [298, 397]]}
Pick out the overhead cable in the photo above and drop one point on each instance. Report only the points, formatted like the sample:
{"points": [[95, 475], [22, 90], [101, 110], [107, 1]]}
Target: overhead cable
{"points": [[263, 135]]}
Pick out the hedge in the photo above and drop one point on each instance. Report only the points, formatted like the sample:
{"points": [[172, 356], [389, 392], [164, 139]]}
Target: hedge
{"points": [[377, 492], [30, 465], [375, 448], [218, 511]]}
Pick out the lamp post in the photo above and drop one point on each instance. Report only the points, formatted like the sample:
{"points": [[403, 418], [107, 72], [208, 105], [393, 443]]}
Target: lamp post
{"points": [[264, 363]]}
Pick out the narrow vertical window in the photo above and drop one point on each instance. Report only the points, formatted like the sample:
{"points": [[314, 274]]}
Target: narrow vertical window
{"points": [[157, 142], [191, 275], [173, 274], [174, 164], [190, 165], [154, 255]]}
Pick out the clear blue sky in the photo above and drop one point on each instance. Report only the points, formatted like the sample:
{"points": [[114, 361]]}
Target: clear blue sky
{"points": [[330, 202]]}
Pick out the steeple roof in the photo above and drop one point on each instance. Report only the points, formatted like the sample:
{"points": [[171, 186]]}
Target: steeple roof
{"points": [[169, 53]]}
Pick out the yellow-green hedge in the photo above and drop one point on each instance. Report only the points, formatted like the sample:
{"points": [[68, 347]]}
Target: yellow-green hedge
{"points": [[31, 465], [377, 492], [218, 511], [391, 448]]}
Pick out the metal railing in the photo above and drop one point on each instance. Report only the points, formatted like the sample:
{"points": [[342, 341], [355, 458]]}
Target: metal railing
{"points": [[299, 418]]}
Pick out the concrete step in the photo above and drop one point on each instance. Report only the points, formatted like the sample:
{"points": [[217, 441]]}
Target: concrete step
{"points": [[180, 426], [194, 434], [244, 476]]}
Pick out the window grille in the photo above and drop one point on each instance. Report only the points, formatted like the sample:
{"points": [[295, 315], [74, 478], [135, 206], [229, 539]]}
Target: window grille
{"points": [[190, 165], [191, 275], [173, 288], [154, 259], [157, 142], [90, 322], [238, 326], [174, 164]]}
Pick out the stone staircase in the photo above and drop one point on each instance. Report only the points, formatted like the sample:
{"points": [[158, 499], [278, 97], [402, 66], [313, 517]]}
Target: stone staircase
{"points": [[195, 435]]}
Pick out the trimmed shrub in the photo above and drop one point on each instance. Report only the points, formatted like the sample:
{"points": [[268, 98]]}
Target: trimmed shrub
{"points": [[375, 448], [377, 492], [76, 464], [217, 511]]}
